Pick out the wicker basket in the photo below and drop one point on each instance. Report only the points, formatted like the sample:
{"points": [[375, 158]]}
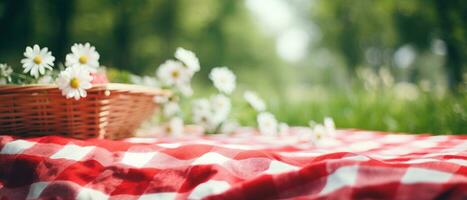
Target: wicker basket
{"points": [[111, 111]]}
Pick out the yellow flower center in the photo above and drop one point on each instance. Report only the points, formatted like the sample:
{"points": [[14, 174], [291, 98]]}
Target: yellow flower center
{"points": [[74, 83], [175, 74], [168, 129], [37, 60], [83, 59]]}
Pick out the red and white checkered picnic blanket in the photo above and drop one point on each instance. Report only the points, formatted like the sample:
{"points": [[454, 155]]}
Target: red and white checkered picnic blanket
{"points": [[354, 165]]}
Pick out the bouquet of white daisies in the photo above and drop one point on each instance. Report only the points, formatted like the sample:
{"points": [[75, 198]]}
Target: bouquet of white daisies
{"points": [[213, 113], [73, 78]]}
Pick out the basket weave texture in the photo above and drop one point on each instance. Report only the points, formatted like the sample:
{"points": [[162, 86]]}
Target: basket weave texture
{"points": [[111, 110]]}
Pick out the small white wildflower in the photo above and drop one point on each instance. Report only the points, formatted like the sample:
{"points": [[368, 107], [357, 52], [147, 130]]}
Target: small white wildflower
{"points": [[255, 101], [229, 127], [74, 81], [267, 123], [84, 56], [205, 119], [170, 109], [188, 58], [173, 73], [202, 114], [223, 79], [175, 126], [319, 133], [329, 125], [220, 107], [201, 105], [37, 60], [283, 128], [185, 89], [5, 73], [161, 99]]}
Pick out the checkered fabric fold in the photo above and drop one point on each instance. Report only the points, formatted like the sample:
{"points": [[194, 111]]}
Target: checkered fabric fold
{"points": [[353, 165]]}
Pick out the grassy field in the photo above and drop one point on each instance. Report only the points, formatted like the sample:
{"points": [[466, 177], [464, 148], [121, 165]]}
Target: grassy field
{"points": [[399, 107], [382, 110]]}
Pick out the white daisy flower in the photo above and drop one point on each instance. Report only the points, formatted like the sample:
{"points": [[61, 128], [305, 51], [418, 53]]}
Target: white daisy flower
{"points": [[322, 132], [220, 107], [229, 126], [206, 120], [83, 56], [37, 60], [329, 125], [172, 73], [201, 105], [267, 123], [255, 101], [319, 133], [74, 81], [185, 89], [223, 79], [202, 114], [188, 58], [161, 99], [171, 108], [5, 73], [283, 128], [175, 126]]}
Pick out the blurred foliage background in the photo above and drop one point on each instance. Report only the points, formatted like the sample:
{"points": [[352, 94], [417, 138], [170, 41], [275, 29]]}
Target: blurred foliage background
{"points": [[391, 65]]}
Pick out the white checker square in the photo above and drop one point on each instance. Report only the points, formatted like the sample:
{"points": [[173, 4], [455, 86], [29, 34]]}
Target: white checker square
{"points": [[36, 189], [210, 159], [160, 196], [87, 193], [208, 188], [344, 176], [16, 147], [421, 175], [277, 167], [458, 161], [422, 160], [137, 159], [72, 152], [363, 146]]}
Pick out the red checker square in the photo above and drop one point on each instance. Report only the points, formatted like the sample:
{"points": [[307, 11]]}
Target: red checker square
{"points": [[375, 182], [169, 180], [49, 169], [18, 170], [188, 152], [309, 180], [133, 181], [262, 187], [81, 172], [106, 181], [195, 175]]}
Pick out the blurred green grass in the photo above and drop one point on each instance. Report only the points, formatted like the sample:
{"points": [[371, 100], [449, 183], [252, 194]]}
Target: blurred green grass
{"points": [[396, 108], [382, 110]]}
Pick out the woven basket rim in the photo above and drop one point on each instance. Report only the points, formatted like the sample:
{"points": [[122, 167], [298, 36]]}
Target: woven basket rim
{"points": [[103, 86]]}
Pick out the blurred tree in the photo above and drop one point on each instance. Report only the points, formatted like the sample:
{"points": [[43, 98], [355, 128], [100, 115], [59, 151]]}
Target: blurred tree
{"points": [[356, 35], [363, 38], [16, 28], [64, 14], [452, 16]]}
